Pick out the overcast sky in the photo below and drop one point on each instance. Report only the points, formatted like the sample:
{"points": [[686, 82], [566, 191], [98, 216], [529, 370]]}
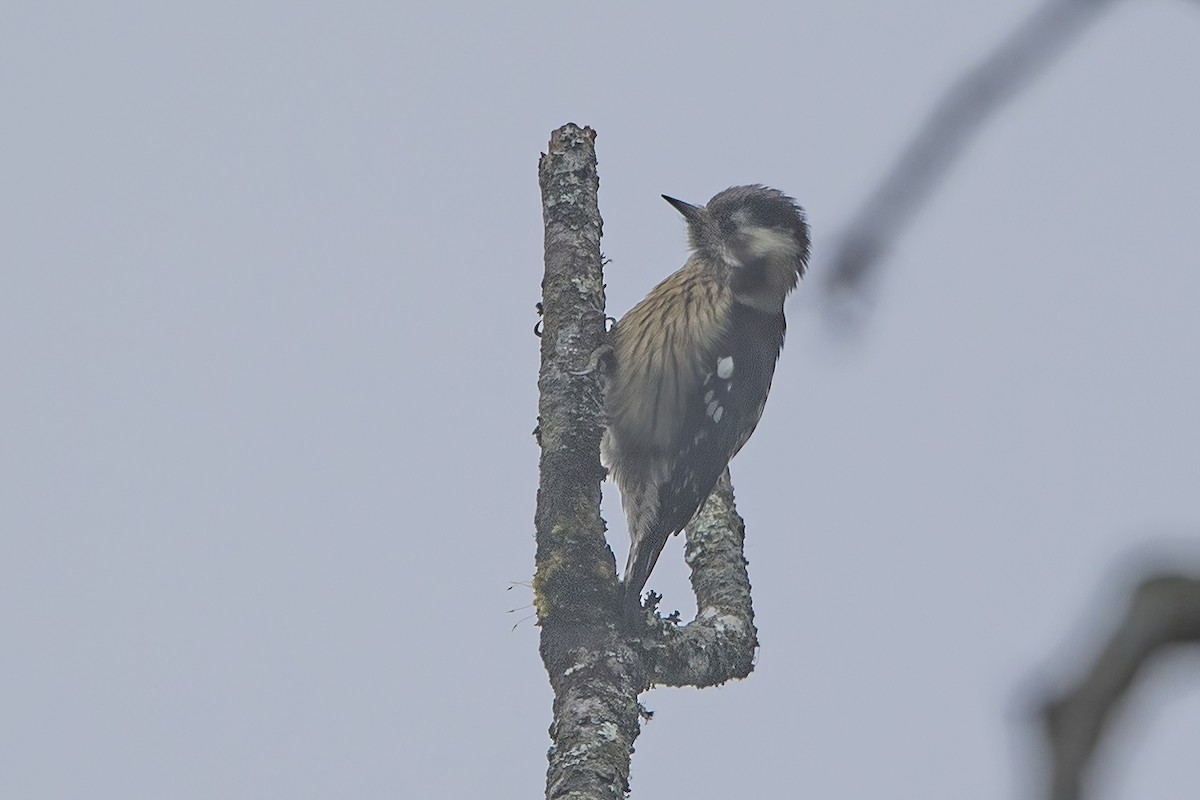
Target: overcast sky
{"points": [[267, 285]]}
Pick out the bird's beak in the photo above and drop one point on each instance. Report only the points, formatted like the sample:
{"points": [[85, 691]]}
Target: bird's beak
{"points": [[689, 211]]}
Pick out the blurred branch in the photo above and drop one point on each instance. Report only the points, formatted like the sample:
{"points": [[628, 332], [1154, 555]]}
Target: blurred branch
{"points": [[954, 121], [1164, 610], [597, 669]]}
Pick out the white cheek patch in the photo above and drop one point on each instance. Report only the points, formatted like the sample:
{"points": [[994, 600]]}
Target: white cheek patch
{"points": [[768, 243], [730, 258]]}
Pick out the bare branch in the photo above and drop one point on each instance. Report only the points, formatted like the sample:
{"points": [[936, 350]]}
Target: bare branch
{"points": [[596, 681], [941, 139], [719, 644], [1164, 610]]}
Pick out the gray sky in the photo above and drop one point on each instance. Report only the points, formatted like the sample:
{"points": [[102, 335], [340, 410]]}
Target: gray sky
{"points": [[268, 283]]}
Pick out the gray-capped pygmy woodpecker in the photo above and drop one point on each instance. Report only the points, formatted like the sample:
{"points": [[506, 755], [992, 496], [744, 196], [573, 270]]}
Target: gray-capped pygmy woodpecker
{"points": [[692, 365]]}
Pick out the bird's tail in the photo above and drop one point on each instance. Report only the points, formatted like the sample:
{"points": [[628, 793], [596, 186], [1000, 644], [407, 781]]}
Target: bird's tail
{"points": [[644, 550]]}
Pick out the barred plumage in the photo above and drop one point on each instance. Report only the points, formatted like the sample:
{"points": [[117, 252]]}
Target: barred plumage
{"points": [[693, 364]]}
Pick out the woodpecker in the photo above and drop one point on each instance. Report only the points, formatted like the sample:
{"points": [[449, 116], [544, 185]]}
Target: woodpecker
{"points": [[692, 365]]}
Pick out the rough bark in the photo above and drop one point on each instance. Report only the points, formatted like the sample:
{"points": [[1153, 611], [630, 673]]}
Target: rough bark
{"points": [[595, 680], [720, 643]]}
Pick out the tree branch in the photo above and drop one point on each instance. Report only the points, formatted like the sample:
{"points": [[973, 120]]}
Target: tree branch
{"points": [[1164, 610], [951, 125], [719, 644], [596, 681]]}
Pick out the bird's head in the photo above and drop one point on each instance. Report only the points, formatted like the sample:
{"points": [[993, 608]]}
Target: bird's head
{"points": [[756, 233]]}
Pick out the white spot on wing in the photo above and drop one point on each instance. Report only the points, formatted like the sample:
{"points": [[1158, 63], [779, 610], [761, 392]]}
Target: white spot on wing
{"points": [[717, 414], [713, 407], [708, 396], [725, 368]]}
